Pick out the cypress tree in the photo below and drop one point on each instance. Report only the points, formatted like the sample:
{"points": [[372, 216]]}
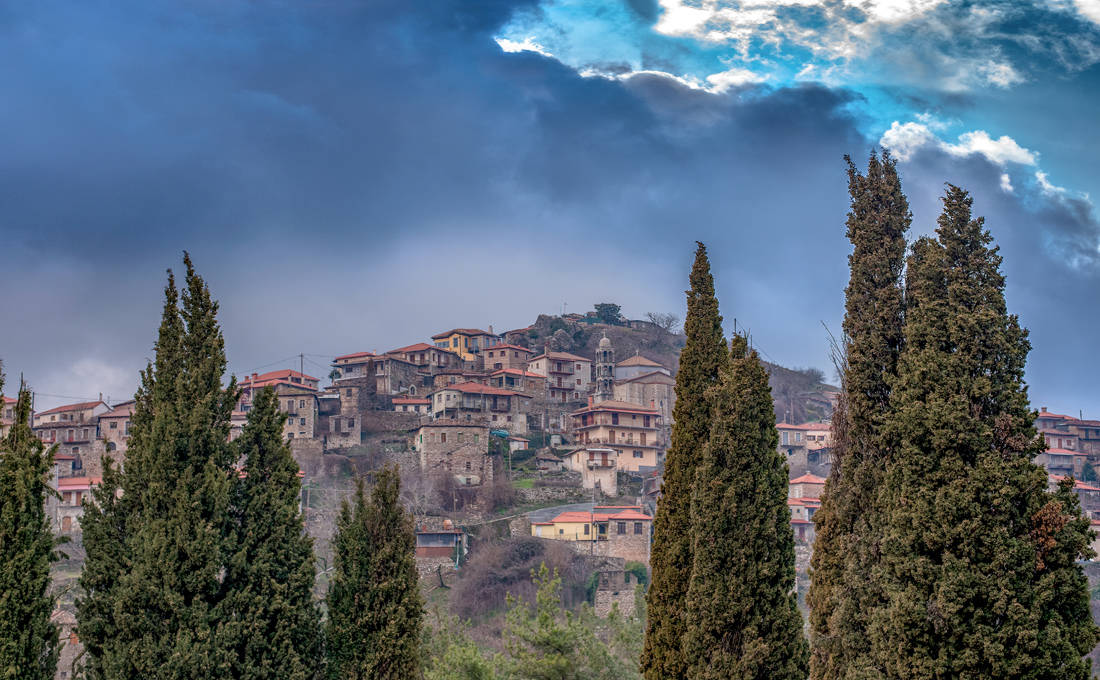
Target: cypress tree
{"points": [[269, 620], [704, 354], [742, 609], [154, 568], [843, 588], [978, 559], [28, 639], [374, 604]]}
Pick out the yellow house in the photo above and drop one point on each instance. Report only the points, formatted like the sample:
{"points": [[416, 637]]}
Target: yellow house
{"points": [[604, 522], [465, 342]]}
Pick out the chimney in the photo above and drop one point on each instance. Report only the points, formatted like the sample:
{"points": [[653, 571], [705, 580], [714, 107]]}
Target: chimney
{"points": [[491, 329]]}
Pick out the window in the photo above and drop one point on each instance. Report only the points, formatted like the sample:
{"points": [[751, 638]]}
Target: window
{"points": [[301, 421], [786, 437], [443, 437], [578, 381], [798, 437], [614, 418], [290, 435], [76, 450], [476, 437], [113, 425], [637, 454], [562, 531], [621, 528], [586, 529], [638, 528], [66, 524], [351, 423], [467, 465], [301, 403], [347, 392], [462, 436]]}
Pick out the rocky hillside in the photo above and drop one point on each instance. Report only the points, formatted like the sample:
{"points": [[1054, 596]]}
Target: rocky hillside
{"points": [[800, 395]]}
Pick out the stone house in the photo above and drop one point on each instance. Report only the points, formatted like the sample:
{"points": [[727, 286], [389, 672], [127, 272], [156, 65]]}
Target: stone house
{"points": [[1062, 462], [396, 376], [455, 446], [637, 366], [420, 405], [1087, 493], [615, 587], [297, 397], [568, 376], [114, 427], [466, 342], [548, 462], [518, 380], [492, 406], [258, 381], [656, 390], [806, 486], [598, 467], [632, 430], [622, 531], [429, 359], [340, 412], [502, 356], [74, 428], [354, 365], [454, 376], [66, 510]]}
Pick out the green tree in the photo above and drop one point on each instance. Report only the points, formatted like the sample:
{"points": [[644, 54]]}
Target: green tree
{"points": [[374, 604], [448, 653], [978, 560], [551, 643], [155, 556], [28, 639], [268, 618], [703, 356], [742, 608], [609, 313], [843, 588]]}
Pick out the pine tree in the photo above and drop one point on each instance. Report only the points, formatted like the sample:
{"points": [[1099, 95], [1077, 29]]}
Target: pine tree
{"points": [[742, 609], [978, 559], [843, 588], [703, 356], [374, 604], [155, 555], [28, 639], [268, 618]]}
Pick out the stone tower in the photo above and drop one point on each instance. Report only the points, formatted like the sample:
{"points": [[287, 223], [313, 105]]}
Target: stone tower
{"points": [[605, 370]]}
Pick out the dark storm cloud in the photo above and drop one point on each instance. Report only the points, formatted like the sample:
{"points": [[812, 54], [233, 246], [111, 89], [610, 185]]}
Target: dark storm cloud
{"points": [[356, 175]]}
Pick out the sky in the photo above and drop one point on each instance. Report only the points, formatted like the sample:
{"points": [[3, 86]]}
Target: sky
{"points": [[355, 176]]}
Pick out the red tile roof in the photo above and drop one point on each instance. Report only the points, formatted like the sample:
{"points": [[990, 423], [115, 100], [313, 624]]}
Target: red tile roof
{"points": [[10, 400], [355, 355], [808, 479], [77, 483], [504, 346], [639, 360], [615, 513], [71, 407], [1077, 484], [418, 347], [1056, 416], [663, 377], [1066, 452], [461, 331], [285, 374]]}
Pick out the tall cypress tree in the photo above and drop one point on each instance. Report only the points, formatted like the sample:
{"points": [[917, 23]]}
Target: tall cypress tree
{"points": [[671, 560], [742, 609], [268, 618], [154, 568], [978, 559], [28, 639], [374, 604], [843, 588]]}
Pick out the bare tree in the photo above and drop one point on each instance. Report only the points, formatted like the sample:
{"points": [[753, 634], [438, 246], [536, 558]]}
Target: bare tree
{"points": [[664, 320], [418, 493]]}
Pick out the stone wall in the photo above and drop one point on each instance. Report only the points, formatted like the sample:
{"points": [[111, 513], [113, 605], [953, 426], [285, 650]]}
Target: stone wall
{"points": [[615, 588], [546, 494], [629, 547], [389, 421]]}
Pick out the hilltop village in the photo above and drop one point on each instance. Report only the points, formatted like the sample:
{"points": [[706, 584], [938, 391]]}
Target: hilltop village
{"points": [[556, 431]]}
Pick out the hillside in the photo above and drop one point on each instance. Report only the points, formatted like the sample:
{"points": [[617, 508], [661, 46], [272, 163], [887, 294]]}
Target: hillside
{"points": [[799, 395]]}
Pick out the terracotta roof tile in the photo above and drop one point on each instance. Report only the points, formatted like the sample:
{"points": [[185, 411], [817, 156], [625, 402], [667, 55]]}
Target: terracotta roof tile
{"points": [[355, 355], [70, 407], [808, 479], [461, 331], [639, 360], [613, 405]]}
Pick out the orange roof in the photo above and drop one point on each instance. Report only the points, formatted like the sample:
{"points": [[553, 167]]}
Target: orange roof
{"points": [[1059, 416], [505, 346], [411, 400], [630, 513], [419, 347], [275, 377], [1077, 484], [808, 479], [639, 360], [478, 388], [613, 405], [461, 331], [77, 482], [354, 355], [71, 407], [10, 400], [1065, 452]]}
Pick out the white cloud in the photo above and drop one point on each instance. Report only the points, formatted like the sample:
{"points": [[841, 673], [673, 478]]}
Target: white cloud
{"points": [[528, 44], [1046, 186], [734, 77], [1090, 9], [1006, 183], [903, 139]]}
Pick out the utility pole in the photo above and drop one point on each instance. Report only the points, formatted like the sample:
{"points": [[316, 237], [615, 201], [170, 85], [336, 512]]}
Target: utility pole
{"points": [[302, 364]]}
